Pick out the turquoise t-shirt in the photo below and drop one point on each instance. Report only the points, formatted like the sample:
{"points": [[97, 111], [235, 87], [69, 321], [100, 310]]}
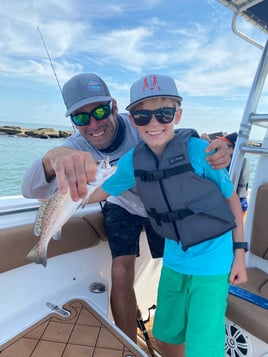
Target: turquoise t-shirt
{"points": [[211, 257]]}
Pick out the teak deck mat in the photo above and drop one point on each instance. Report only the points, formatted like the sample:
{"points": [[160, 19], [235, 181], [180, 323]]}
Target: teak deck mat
{"points": [[82, 334]]}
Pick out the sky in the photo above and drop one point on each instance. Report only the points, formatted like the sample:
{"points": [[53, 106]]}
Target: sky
{"points": [[189, 40]]}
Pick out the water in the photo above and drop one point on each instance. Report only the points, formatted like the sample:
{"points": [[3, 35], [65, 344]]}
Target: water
{"points": [[17, 154]]}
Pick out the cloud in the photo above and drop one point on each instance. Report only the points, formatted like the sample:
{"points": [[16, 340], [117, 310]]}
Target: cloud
{"points": [[122, 40]]}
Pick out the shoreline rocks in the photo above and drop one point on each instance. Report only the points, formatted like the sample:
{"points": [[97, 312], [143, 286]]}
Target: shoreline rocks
{"points": [[49, 133], [41, 133]]}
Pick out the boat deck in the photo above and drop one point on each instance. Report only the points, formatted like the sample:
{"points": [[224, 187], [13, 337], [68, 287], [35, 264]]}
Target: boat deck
{"points": [[83, 332]]}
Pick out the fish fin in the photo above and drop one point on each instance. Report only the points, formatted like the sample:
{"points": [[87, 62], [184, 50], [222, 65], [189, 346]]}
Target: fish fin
{"points": [[57, 236], [37, 256], [84, 202]]}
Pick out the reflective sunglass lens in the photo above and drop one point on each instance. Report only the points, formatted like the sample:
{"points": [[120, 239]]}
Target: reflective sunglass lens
{"points": [[163, 115], [141, 118], [166, 115], [81, 119], [99, 113]]}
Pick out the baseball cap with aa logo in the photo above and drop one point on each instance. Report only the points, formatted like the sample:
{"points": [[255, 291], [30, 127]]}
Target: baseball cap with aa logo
{"points": [[150, 86]]}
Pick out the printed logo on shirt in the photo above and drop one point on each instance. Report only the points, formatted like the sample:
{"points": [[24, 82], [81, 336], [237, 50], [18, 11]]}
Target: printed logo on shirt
{"points": [[174, 160]]}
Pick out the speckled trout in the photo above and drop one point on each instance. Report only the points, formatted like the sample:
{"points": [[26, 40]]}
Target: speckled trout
{"points": [[56, 211]]}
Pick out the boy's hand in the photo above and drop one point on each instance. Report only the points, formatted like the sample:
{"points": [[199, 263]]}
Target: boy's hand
{"points": [[238, 273]]}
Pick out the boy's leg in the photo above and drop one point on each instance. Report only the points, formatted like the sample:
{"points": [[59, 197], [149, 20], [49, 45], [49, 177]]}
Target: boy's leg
{"points": [[171, 350], [170, 316], [205, 334], [192, 310]]}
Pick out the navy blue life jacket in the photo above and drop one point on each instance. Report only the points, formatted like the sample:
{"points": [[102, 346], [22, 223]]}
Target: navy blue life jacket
{"points": [[181, 205]]}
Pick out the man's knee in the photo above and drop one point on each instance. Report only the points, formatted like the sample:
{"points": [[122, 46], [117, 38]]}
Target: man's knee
{"points": [[123, 270]]}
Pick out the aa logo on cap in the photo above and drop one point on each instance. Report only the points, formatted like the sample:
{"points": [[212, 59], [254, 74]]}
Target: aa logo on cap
{"points": [[151, 83]]}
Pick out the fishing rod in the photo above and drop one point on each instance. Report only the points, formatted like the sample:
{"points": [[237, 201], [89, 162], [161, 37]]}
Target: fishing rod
{"points": [[51, 63], [141, 326]]}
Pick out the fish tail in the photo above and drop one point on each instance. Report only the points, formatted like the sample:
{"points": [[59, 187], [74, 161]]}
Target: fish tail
{"points": [[38, 255]]}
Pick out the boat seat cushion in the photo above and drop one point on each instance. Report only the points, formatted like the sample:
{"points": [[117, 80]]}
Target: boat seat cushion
{"points": [[264, 288], [96, 222], [16, 242], [247, 315], [259, 241]]}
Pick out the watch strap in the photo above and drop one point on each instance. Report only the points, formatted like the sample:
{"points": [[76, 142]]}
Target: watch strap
{"points": [[240, 245]]}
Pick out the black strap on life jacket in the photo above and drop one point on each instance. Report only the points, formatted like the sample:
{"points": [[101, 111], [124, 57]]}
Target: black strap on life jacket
{"points": [[156, 175], [168, 217]]}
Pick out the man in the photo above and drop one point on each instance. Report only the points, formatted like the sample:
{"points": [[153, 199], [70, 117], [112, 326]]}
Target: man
{"points": [[102, 132]]}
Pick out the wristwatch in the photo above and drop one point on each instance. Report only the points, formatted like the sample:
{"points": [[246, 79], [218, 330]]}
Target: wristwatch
{"points": [[240, 245]]}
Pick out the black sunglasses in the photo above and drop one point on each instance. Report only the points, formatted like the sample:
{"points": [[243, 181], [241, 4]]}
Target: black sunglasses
{"points": [[163, 115], [99, 113]]}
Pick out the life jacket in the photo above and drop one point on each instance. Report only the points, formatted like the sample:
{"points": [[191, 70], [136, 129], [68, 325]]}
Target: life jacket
{"points": [[181, 205]]}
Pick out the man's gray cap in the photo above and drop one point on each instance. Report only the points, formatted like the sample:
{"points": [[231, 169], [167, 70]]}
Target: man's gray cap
{"points": [[83, 89], [153, 85]]}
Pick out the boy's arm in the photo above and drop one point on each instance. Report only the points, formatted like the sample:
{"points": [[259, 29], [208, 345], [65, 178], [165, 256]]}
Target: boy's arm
{"points": [[98, 195], [121, 180], [238, 273]]}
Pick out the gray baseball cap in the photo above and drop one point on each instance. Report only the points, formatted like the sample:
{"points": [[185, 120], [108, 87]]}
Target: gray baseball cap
{"points": [[83, 89], [151, 86]]}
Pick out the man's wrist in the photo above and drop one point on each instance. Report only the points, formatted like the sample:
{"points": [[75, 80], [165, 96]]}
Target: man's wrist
{"points": [[49, 172]]}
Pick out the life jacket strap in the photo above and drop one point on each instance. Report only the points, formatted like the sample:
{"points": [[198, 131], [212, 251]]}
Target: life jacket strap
{"points": [[168, 217], [157, 175]]}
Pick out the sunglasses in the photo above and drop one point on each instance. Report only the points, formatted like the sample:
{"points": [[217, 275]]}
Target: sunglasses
{"points": [[99, 113], [163, 115]]}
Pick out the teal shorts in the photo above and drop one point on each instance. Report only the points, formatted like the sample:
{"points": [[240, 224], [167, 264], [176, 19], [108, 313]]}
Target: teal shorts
{"points": [[191, 310]]}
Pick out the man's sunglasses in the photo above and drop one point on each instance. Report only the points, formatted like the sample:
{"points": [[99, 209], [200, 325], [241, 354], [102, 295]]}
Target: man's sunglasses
{"points": [[99, 113], [163, 115]]}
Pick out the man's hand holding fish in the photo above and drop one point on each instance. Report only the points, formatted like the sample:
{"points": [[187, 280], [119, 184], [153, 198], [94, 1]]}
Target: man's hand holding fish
{"points": [[73, 170], [56, 211]]}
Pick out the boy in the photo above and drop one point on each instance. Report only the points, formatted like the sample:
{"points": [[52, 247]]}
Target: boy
{"points": [[186, 201]]}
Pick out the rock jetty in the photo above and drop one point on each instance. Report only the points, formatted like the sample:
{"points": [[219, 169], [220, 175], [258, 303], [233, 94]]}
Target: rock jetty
{"points": [[42, 133]]}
